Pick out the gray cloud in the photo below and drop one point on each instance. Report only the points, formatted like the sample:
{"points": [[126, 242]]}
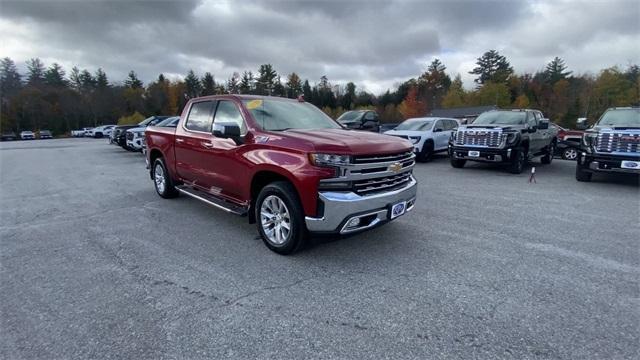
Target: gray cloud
{"points": [[376, 43]]}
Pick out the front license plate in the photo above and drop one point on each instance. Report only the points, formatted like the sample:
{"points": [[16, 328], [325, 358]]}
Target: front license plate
{"points": [[398, 209], [630, 165], [474, 153]]}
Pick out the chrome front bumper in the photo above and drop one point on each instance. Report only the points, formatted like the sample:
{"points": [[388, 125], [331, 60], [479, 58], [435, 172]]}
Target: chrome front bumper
{"points": [[372, 210]]}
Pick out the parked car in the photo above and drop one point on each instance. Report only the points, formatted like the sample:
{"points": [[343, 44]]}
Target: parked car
{"points": [[81, 132], [285, 164], [429, 135], [568, 149], [567, 134], [511, 137], [45, 134], [118, 136], [100, 131], [8, 136], [361, 120], [612, 145], [27, 135]]}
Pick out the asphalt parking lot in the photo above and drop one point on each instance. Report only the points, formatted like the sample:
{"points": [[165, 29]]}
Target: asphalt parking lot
{"points": [[93, 264]]}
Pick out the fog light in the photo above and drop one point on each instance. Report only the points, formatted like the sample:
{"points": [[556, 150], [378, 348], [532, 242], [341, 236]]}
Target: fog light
{"points": [[353, 222]]}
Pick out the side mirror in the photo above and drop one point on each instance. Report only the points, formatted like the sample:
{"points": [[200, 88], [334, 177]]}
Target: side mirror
{"points": [[227, 130], [543, 124], [581, 124], [437, 130]]}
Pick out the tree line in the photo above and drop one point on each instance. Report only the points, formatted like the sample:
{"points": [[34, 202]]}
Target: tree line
{"points": [[50, 98]]}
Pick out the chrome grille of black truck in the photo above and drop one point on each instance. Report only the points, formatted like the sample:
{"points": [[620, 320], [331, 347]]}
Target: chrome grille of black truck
{"points": [[480, 138], [620, 142]]}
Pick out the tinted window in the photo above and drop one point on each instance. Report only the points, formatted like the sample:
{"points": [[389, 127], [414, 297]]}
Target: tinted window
{"points": [[531, 119], [228, 112], [369, 116], [439, 125], [350, 116], [199, 118]]}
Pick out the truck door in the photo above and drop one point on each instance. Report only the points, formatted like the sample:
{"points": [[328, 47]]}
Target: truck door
{"points": [[191, 141], [534, 135], [226, 168]]}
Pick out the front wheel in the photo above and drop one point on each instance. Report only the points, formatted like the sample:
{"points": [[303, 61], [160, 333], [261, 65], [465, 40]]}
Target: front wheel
{"points": [[280, 218], [570, 154], [518, 162], [581, 175], [458, 163], [162, 180]]}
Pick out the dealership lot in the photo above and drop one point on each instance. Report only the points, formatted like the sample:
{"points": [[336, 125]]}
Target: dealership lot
{"points": [[93, 264]]}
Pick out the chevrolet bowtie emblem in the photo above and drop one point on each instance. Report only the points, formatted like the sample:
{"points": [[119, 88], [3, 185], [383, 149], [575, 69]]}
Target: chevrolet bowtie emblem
{"points": [[395, 167]]}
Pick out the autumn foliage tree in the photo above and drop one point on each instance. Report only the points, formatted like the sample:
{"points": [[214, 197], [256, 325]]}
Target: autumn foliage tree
{"points": [[411, 106]]}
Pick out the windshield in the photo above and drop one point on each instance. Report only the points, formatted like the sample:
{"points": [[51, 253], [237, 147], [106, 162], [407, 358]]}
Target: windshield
{"points": [[350, 116], [415, 125], [284, 115], [501, 117], [621, 117]]}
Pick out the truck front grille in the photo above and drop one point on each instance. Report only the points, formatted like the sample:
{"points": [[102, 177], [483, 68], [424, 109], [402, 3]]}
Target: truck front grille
{"points": [[369, 159], [621, 142], [479, 137], [387, 183]]}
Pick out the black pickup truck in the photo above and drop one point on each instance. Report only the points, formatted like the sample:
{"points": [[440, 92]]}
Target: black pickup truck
{"points": [[511, 137], [612, 145]]}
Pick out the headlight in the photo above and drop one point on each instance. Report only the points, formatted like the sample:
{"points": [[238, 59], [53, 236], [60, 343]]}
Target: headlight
{"points": [[589, 138], [329, 159], [512, 138], [414, 139], [140, 134]]}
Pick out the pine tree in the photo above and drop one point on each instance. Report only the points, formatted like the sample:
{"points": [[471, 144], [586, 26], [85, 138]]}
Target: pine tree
{"points": [[132, 81], [455, 96], [556, 70], [101, 80], [306, 91], [10, 79], [207, 87], [266, 79], [233, 84], [294, 86], [492, 67], [35, 72], [54, 76], [246, 83]]}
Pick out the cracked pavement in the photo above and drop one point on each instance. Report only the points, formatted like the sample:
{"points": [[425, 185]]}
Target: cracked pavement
{"points": [[93, 264]]}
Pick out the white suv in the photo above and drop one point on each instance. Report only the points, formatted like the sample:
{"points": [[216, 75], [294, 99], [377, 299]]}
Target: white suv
{"points": [[429, 135]]}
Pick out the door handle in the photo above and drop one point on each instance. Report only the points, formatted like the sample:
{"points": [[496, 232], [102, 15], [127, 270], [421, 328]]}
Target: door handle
{"points": [[207, 145], [179, 140]]}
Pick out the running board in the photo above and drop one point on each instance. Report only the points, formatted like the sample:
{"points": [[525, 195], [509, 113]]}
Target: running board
{"points": [[213, 200]]}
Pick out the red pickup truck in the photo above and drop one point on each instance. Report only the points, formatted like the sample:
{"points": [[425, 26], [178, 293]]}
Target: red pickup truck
{"points": [[283, 163]]}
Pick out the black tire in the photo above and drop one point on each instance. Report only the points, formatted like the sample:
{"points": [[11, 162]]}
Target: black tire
{"points": [[458, 163], [582, 175], [548, 158], [569, 154], [518, 162], [426, 153], [167, 191], [296, 238]]}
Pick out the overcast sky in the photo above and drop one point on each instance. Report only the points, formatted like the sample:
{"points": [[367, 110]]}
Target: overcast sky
{"points": [[376, 44]]}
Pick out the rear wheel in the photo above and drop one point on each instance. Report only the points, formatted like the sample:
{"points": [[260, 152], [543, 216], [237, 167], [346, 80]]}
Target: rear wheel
{"points": [[518, 162], [162, 180], [582, 175], [548, 158], [280, 218]]}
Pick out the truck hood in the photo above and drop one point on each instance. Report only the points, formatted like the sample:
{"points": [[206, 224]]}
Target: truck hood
{"points": [[406, 132], [350, 142], [492, 126]]}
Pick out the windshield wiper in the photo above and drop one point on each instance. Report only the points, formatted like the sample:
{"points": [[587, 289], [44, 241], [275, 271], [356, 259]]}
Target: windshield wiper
{"points": [[283, 129]]}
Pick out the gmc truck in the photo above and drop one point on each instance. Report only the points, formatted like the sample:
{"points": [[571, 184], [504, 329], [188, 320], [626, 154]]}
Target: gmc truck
{"points": [[511, 137], [285, 165], [612, 145]]}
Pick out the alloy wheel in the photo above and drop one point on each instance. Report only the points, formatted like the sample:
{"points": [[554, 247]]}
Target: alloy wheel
{"points": [[275, 220], [158, 177]]}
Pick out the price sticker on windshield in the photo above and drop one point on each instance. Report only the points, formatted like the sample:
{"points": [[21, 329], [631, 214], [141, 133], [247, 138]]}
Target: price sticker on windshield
{"points": [[254, 104]]}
